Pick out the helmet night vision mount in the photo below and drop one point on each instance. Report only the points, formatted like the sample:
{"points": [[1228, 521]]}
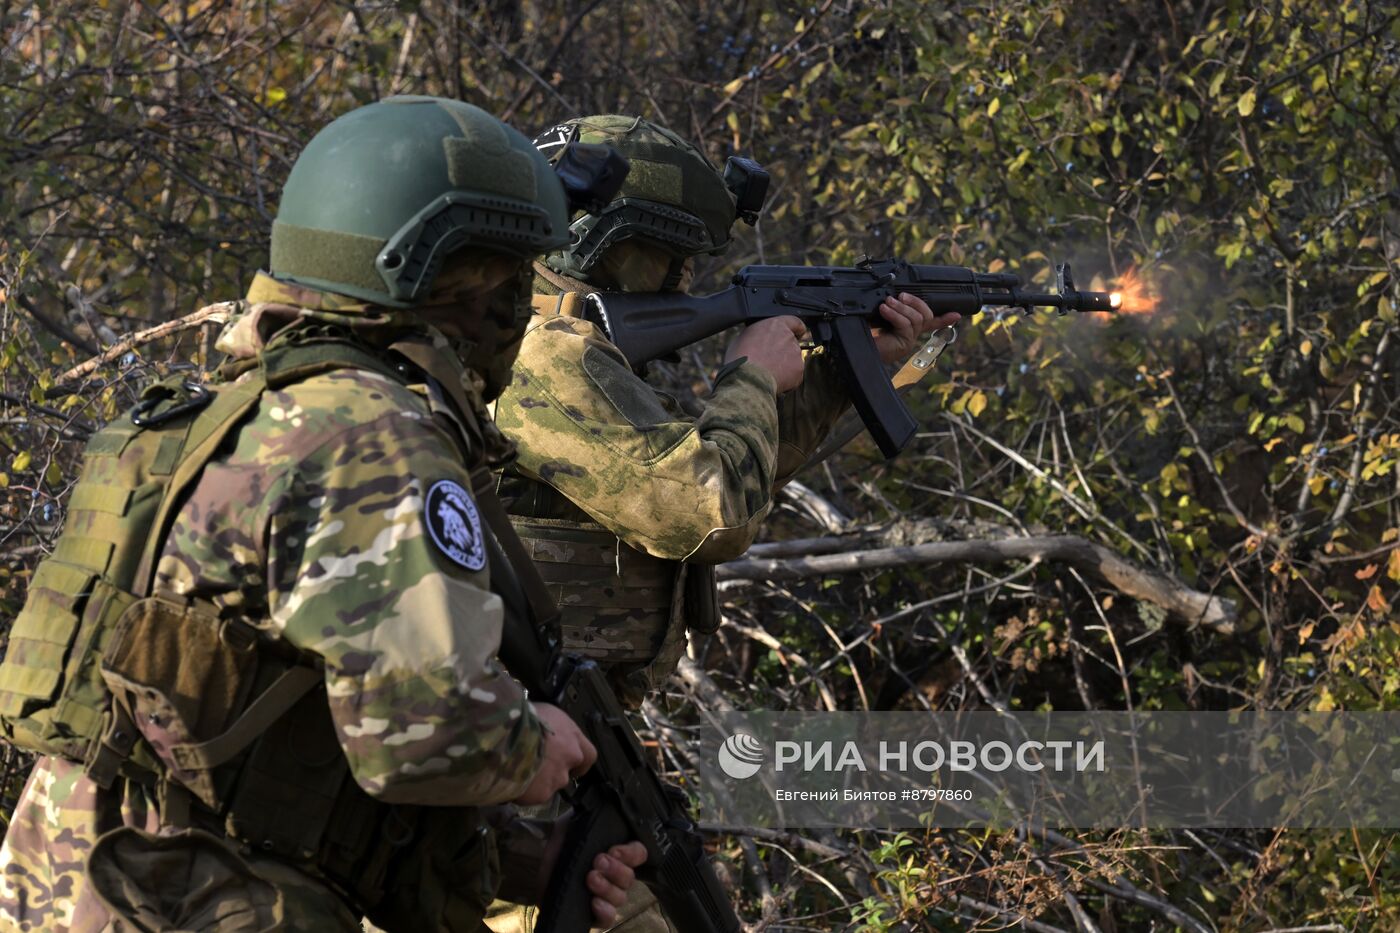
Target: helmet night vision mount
{"points": [[674, 198], [592, 174], [748, 182]]}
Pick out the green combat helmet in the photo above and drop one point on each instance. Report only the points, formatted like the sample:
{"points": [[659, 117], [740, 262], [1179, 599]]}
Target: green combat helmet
{"points": [[382, 194], [673, 196]]}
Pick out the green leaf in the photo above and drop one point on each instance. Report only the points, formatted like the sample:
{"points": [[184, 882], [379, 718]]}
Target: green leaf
{"points": [[1216, 82], [1246, 103], [21, 462]]}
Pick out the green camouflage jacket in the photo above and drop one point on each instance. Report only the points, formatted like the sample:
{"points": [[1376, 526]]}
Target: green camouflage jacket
{"points": [[676, 486], [324, 523]]}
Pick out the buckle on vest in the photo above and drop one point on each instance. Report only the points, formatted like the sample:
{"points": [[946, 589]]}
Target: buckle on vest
{"points": [[199, 396], [113, 747]]}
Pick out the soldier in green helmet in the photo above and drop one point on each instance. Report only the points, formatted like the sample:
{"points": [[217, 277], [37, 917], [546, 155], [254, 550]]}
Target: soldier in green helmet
{"points": [[285, 712], [625, 499]]}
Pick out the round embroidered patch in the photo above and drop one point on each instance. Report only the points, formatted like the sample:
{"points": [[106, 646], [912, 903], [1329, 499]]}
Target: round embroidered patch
{"points": [[455, 525]]}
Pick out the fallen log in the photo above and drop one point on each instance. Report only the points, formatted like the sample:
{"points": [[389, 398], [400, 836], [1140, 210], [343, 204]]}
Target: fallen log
{"points": [[1179, 600]]}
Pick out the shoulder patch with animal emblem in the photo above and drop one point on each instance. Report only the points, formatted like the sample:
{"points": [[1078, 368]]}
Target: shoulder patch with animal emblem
{"points": [[455, 525]]}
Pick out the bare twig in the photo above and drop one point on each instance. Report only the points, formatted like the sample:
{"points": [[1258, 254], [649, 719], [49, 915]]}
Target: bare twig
{"points": [[211, 314]]}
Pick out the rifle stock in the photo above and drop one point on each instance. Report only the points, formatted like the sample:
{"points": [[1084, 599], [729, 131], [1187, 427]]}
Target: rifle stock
{"points": [[647, 326]]}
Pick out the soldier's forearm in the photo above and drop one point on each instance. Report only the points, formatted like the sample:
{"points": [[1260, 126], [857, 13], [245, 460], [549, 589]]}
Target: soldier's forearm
{"points": [[806, 414]]}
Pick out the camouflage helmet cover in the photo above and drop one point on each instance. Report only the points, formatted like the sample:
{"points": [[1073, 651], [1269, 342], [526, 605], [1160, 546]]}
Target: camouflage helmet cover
{"points": [[380, 195], [673, 195]]}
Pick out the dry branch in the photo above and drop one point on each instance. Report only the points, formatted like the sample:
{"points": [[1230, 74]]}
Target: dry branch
{"points": [[210, 314], [1188, 605]]}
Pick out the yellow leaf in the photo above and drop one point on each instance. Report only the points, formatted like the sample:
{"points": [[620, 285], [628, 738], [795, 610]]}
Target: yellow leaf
{"points": [[275, 95], [4, 480], [1392, 567], [1391, 534], [2, 296], [1305, 632], [977, 403], [1376, 602], [1305, 347], [1269, 447], [994, 106], [21, 462], [734, 85], [1316, 483], [1246, 103]]}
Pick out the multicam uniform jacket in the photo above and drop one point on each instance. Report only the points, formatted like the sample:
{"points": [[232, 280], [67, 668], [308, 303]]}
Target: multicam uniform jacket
{"points": [[620, 483], [317, 527]]}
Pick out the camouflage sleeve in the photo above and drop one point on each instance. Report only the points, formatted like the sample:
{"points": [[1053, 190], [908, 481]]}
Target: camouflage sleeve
{"points": [[675, 488], [806, 414], [376, 563]]}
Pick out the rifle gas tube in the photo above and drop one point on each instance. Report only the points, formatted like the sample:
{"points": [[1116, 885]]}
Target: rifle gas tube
{"points": [[838, 304]]}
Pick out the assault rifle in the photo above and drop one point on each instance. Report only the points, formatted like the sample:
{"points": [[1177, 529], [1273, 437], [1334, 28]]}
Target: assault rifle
{"points": [[837, 304], [620, 798]]}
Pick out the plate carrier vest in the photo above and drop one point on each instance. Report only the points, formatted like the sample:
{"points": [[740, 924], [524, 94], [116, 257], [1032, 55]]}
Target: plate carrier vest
{"points": [[94, 650]]}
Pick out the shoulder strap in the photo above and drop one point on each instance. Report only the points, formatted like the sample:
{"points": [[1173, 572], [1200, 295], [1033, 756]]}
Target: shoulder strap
{"points": [[211, 426], [528, 577], [287, 361]]}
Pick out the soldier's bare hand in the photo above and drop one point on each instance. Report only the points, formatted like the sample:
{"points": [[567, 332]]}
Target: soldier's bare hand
{"points": [[773, 344], [910, 319], [611, 877], [567, 754]]}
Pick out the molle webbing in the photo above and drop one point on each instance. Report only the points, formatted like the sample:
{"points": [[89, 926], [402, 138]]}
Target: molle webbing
{"points": [[52, 699], [615, 602]]}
